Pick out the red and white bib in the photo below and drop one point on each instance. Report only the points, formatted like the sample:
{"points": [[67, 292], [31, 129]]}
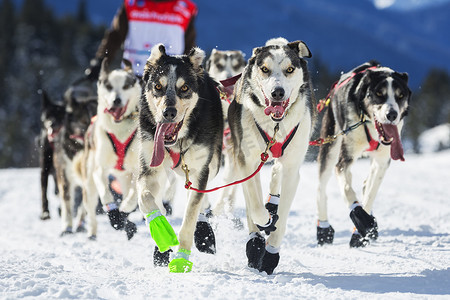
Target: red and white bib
{"points": [[150, 23]]}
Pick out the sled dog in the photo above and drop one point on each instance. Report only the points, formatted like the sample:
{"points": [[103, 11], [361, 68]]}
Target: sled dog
{"points": [[80, 106], [180, 127], [274, 101], [369, 103], [221, 65], [52, 116], [111, 148]]}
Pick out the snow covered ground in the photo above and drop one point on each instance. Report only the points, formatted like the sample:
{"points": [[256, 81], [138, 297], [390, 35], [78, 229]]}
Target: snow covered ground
{"points": [[410, 260]]}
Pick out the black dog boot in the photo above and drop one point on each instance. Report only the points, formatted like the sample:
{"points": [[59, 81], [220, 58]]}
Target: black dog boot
{"points": [[270, 225], [168, 208], [116, 218], [357, 240], [161, 259], [204, 237], [255, 248], [325, 235], [364, 222], [373, 233], [269, 262], [130, 229]]}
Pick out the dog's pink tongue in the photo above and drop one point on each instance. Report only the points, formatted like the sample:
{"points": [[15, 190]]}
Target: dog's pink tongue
{"points": [[277, 110], [391, 131], [158, 149]]}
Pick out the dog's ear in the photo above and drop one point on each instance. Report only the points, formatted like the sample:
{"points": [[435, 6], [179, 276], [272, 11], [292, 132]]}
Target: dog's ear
{"points": [[403, 76], [256, 50], [127, 65], [157, 52], [104, 69], [301, 48], [361, 90], [196, 57]]}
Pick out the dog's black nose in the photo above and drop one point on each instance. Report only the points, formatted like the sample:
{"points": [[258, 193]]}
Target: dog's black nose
{"points": [[392, 115], [278, 94], [117, 102], [170, 113]]}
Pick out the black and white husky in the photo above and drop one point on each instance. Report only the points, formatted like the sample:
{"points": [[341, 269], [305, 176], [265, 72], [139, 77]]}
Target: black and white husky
{"points": [[274, 94], [180, 125], [111, 148], [222, 65], [369, 103], [52, 116], [80, 106]]}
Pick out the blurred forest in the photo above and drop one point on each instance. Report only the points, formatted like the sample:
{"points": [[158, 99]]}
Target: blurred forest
{"points": [[41, 51]]}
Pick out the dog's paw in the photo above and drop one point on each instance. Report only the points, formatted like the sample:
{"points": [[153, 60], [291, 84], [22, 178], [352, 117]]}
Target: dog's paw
{"points": [[204, 238], [161, 259], [325, 235], [45, 215], [130, 229], [364, 222], [357, 240], [80, 228], [67, 231], [117, 218], [373, 232], [269, 262], [168, 208], [255, 248], [92, 237]]}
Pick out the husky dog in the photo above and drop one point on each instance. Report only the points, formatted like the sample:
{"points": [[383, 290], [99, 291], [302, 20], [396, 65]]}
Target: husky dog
{"points": [[111, 150], [52, 116], [80, 106], [222, 65], [274, 101], [180, 128], [376, 98]]}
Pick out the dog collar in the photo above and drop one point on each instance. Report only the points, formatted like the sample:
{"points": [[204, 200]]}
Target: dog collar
{"points": [[120, 148], [278, 148]]}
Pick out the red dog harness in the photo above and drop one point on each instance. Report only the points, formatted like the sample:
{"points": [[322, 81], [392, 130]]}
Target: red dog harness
{"points": [[120, 148], [278, 148]]}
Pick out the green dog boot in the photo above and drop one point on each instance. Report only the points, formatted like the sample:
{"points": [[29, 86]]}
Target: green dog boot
{"points": [[161, 231], [181, 263]]}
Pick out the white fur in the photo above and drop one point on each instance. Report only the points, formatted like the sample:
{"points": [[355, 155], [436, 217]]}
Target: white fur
{"points": [[285, 171]]}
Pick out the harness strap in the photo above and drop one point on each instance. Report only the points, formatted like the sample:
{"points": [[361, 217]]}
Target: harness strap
{"points": [[120, 148], [278, 148], [373, 144], [175, 156]]}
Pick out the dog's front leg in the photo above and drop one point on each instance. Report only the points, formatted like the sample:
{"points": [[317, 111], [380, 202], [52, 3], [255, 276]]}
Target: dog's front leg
{"points": [[360, 218], [378, 167], [149, 188], [204, 235], [101, 180], [129, 203]]}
